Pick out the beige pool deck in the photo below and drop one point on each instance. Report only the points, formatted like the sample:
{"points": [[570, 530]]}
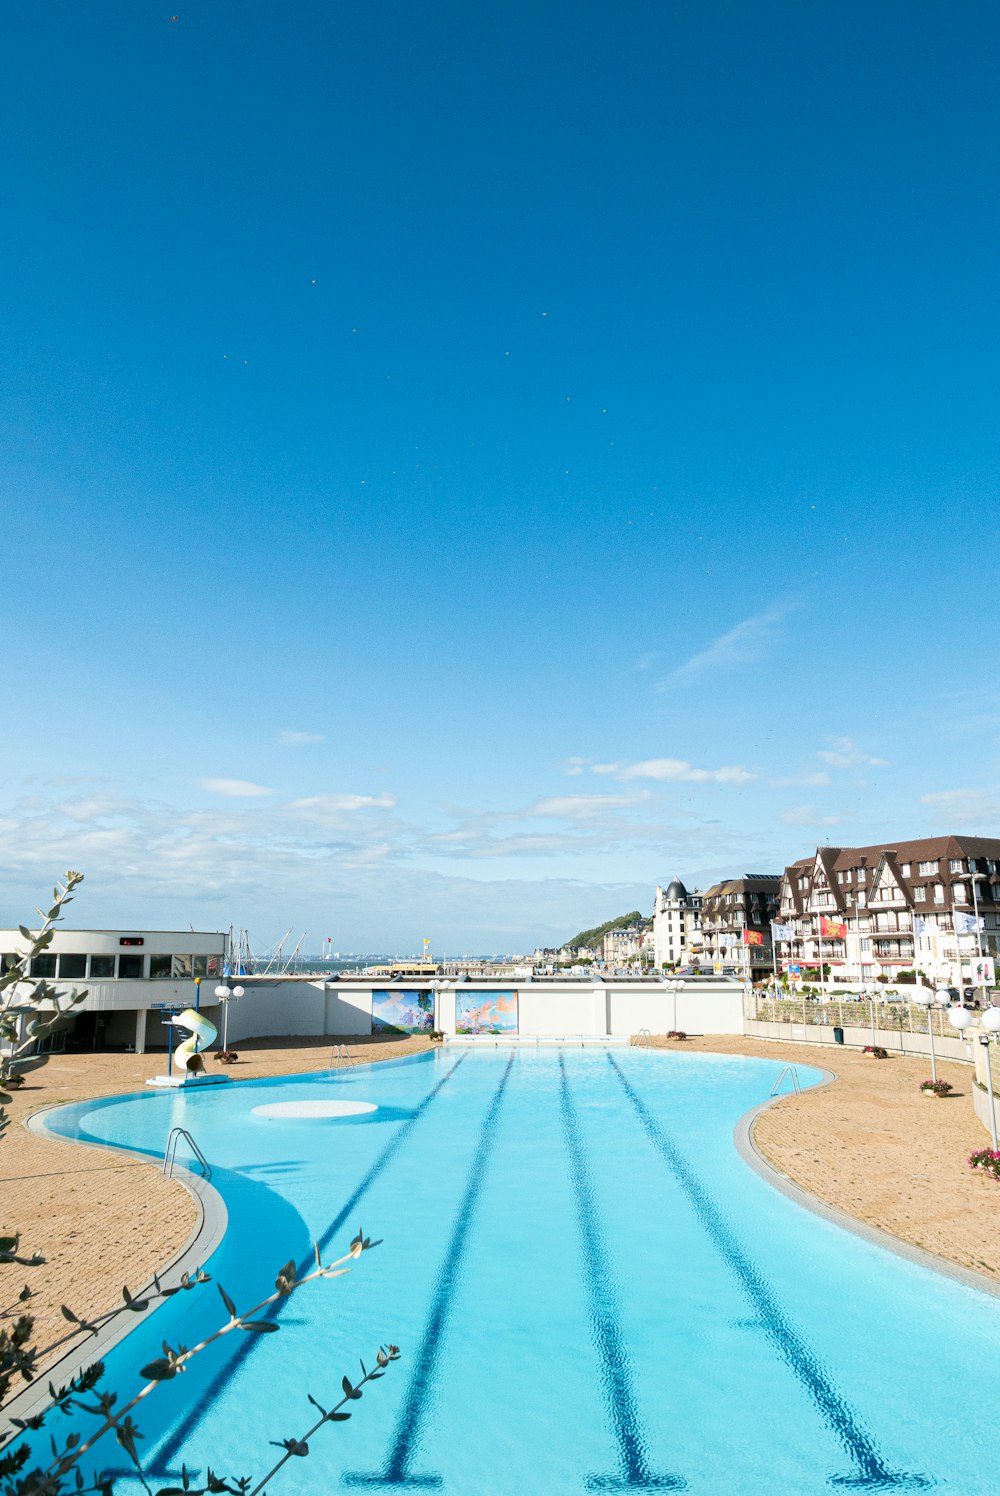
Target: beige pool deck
{"points": [[869, 1145]]}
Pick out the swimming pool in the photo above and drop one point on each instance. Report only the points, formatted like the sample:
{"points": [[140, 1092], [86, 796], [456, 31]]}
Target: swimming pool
{"points": [[591, 1290]]}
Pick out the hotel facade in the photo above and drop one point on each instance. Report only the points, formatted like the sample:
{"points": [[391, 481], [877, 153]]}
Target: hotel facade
{"points": [[932, 905], [736, 917]]}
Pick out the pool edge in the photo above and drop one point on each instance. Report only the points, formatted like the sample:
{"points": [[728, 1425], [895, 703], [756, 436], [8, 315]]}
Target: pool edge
{"points": [[746, 1146], [204, 1239]]}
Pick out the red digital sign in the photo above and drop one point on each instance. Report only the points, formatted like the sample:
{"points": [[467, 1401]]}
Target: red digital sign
{"points": [[131, 940]]}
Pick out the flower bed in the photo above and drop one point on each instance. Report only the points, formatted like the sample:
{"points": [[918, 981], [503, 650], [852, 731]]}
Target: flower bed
{"points": [[935, 1087], [986, 1161]]}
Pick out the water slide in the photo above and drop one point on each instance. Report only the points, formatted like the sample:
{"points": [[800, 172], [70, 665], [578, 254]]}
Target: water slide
{"points": [[201, 1035]]}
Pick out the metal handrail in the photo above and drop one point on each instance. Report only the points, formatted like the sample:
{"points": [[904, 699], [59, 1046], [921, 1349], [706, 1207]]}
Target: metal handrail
{"points": [[642, 1040], [341, 1055], [793, 1074], [170, 1152]]}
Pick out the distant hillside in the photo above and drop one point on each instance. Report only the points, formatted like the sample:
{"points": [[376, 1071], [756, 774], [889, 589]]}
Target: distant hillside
{"points": [[596, 935]]}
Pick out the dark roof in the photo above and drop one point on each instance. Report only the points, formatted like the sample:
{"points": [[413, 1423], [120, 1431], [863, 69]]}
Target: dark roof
{"points": [[676, 890]]}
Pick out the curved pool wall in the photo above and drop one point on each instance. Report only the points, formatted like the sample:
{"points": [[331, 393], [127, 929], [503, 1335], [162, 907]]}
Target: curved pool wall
{"points": [[591, 1290]]}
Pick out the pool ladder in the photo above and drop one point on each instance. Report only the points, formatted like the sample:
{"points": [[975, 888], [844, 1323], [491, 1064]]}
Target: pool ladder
{"points": [[642, 1040], [793, 1076], [170, 1153], [341, 1055]]}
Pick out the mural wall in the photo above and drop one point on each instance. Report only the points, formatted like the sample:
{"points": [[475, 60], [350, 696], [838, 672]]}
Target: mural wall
{"points": [[485, 1012], [402, 1012]]}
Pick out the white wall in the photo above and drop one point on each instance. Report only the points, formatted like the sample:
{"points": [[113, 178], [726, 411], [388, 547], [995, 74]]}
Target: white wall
{"points": [[348, 1010], [279, 1010], [297, 1007], [547, 1011]]}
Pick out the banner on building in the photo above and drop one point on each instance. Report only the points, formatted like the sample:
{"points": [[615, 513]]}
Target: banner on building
{"points": [[753, 937], [967, 924], [832, 929], [983, 972], [783, 932]]}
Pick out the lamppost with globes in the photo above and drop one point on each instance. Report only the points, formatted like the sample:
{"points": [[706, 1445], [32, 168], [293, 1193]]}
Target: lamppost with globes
{"points": [[925, 999], [990, 1021], [225, 995]]}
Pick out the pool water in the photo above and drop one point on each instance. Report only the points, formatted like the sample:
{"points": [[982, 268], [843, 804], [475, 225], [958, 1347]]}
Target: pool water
{"points": [[590, 1289]]}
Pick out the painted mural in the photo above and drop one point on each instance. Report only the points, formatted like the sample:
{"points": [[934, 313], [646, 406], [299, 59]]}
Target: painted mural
{"points": [[485, 1012], [402, 1012]]}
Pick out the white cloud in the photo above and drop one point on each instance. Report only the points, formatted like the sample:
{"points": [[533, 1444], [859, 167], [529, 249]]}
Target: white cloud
{"points": [[235, 789], [808, 815], [844, 753], [298, 739], [325, 804], [747, 642], [574, 766], [678, 771], [978, 809], [817, 780], [581, 807]]}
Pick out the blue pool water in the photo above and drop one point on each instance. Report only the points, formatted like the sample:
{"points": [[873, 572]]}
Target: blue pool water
{"points": [[591, 1291]]}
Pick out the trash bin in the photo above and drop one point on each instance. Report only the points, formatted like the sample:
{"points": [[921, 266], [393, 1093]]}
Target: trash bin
{"points": [[838, 1035]]}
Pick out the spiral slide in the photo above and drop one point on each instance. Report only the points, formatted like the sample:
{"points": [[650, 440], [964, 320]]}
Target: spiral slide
{"points": [[201, 1035]]}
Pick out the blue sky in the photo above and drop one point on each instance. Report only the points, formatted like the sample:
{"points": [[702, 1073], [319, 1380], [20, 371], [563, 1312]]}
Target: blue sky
{"points": [[462, 466]]}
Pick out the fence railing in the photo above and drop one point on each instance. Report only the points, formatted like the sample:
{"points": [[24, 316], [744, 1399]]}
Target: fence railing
{"points": [[845, 1013]]}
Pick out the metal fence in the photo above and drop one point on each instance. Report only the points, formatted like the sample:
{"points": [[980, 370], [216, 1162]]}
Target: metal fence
{"points": [[845, 1013]]}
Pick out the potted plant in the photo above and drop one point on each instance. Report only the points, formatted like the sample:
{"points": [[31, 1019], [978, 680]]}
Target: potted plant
{"points": [[876, 1051], [676, 1034], [986, 1161], [226, 1056], [935, 1087]]}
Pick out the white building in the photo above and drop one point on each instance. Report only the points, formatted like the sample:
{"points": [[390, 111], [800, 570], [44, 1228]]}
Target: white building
{"points": [[676, 923], [132, 978]]}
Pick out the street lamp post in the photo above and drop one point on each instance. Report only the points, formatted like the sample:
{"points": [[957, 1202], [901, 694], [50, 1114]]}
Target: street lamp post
{"points": [[927, 1000], [991, 1023], [226, 995]]}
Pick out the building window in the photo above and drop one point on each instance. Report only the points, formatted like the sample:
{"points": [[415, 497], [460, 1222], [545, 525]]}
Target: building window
{"points": [[182, 965], [101, 968], [927, 868], [960, 893], [920, 893], [905, 869], [866, 947], [939, 893], [159, 966], [956, 865], [72, 968], [862, 875], [130, 967], [862, 898], [44, 966]]}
